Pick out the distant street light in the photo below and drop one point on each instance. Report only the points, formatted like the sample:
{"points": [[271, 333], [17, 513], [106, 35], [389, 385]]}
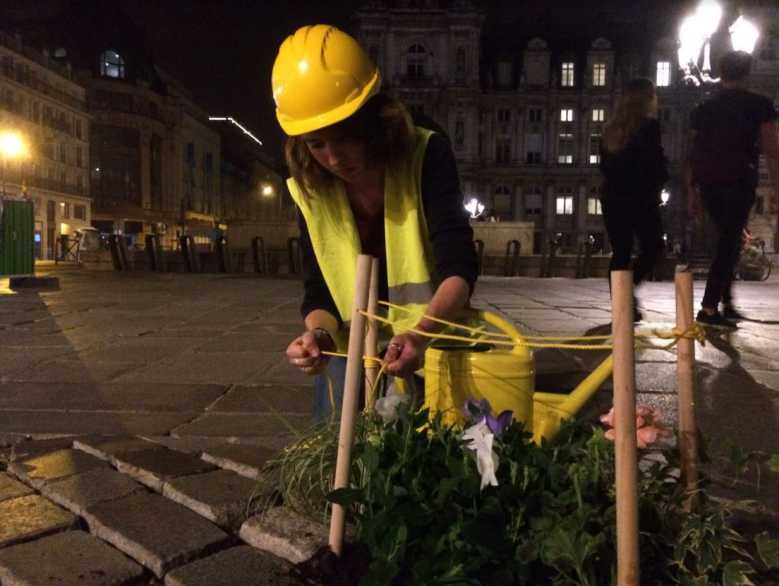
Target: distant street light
{"points": [[232, 120], [695, 34], [475, 208], [664, 197], [12, 146], [267, 190]]}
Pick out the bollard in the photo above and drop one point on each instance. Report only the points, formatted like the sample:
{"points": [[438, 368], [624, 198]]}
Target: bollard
{"points": [[151, 252], [258, 255], [580, 262], [511, 261], [159, 253], [479, 246], [222, 255], [587, 260], [550, 256], [123, 254], [113, 245], [294, 255], [685, 385], [625, 445], [372, 338], [351, 397]]}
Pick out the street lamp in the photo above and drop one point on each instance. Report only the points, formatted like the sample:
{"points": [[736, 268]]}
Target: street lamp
{"points": [[267, 190], [475, 208], [695, 34], [12, 146], [664, 197], [233, 121]]}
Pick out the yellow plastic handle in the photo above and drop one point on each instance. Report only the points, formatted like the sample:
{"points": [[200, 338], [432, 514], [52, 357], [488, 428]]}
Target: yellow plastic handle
{"points": [[507, 328]]}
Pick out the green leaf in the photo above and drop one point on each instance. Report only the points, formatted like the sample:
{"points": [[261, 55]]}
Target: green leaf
{"points": [[768, 549], [773, 463], [345, 496], [735, 574]]}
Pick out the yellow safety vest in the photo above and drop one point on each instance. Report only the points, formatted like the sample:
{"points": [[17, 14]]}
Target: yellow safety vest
{"points": [[336, 242]]}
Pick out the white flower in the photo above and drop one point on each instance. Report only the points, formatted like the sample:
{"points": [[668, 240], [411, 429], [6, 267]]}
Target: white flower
{"points": [[388, 405], [480, 438]]}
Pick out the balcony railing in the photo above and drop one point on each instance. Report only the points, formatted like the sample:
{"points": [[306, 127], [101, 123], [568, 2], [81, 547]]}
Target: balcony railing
{"points": [[40, 86]]}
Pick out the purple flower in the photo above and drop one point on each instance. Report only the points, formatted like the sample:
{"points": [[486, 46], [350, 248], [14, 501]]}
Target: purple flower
{"points": [[479, 411]]}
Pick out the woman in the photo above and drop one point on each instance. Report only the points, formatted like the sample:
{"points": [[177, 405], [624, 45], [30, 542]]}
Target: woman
{"points": [[634, 170], [366, 180]]}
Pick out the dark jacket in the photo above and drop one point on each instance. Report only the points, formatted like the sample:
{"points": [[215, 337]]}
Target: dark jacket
{"points": [[634, 176]]}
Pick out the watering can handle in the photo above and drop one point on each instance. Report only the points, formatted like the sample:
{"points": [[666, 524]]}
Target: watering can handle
{"points": [[507, 328]]}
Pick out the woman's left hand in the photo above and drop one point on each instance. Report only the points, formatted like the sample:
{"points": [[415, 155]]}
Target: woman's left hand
{"points": [[405, 354]]}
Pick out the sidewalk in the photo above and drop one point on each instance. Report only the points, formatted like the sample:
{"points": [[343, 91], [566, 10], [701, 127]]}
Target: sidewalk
{"points": [[153, 399]]}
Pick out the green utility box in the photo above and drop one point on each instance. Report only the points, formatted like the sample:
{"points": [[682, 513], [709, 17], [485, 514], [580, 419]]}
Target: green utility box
{"points": [[17, 229]]}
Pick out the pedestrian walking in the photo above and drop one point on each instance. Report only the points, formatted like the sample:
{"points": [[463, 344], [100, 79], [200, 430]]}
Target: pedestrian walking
{"points": [[366, 181], [728, 133], [634, 171]]}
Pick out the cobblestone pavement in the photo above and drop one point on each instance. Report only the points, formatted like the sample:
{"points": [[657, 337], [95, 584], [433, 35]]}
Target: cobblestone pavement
{"points": [[136, 410]]}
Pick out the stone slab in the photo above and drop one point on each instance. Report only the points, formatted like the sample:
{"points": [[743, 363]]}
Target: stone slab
{"points": [[41, 470], [244, 460], [219, 368], [22, 447], [11, 488], [72, 371], [46, 423], [237, 566], [155, 466], [79, 492], [230, 426], [284, 534], [109, 447], [28, 517], [154, 531], [266, 398], [72, 558], [220, 496], [94, 396], [34, 283]]}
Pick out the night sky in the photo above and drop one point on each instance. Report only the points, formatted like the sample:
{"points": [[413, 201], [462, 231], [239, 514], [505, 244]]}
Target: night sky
{"points": [[223, 51]]}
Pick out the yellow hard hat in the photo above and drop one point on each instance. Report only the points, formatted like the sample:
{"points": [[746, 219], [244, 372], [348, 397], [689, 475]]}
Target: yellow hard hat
{"points": [[320, 77]]}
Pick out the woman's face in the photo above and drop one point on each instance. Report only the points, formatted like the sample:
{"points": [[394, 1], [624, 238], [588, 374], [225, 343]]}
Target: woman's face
{"points": [[343, 156]]}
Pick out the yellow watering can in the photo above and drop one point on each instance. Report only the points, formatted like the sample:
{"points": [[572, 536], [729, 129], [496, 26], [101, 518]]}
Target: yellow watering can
{"points": [[456, 372]]}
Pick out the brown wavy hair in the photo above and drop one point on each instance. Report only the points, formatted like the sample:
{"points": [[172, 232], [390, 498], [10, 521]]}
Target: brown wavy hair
{"points": [[383, 123], [638, 102]]}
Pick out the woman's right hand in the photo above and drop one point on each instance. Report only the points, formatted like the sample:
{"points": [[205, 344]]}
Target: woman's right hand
{"points": [[305, 351]]}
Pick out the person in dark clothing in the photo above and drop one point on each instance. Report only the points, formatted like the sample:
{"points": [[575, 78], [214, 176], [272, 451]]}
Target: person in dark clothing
{"points": [[366, 180], [728, 133], [634, 171]]}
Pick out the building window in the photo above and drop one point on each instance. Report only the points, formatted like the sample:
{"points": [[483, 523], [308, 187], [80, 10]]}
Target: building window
{"points": [[594, 149], [598, 115], [599, 74], [503, 151], [504, 74], [566, 79], [535, 115], [534, 201], [77, 126], [565, 148], [564, 205], [459, 133], [80, 212], [663, 74], [504, 116], [535, 143], [111, 64], [64, 210], [566, 115], [79, 160], [415, 62], [502, 201], [593, 206], [459, 63]]}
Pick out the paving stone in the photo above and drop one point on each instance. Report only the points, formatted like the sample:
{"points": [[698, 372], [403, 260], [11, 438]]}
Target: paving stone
{"points": [[285, 534], [228, 425], [11, 488], [60, 464], [28, 517], [81, 491], [219, 368], [22, 448], [220, 496], [72, 558], [266, 398], [72, 371], [154, 531], [244, 460], [46, 423], [109, 447], [237, 566], [155, 466]]}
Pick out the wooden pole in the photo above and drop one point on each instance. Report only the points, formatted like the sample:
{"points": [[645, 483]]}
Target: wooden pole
{"points": [[625, 428], [351, 396], [685, 385], [372, 339]]}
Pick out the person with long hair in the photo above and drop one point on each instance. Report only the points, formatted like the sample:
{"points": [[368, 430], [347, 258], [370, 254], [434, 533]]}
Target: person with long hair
{"points": [[634, 170], [366, 180]]}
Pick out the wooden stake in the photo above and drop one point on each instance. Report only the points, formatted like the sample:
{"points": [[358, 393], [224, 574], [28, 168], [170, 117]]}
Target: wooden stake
{"points": [[372, 339], [351, 397], [685, 385], [625, 427]]}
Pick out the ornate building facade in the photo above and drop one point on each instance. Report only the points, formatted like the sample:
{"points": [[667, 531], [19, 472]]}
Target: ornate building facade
{"points": [[526, 124], [42, 102]]}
